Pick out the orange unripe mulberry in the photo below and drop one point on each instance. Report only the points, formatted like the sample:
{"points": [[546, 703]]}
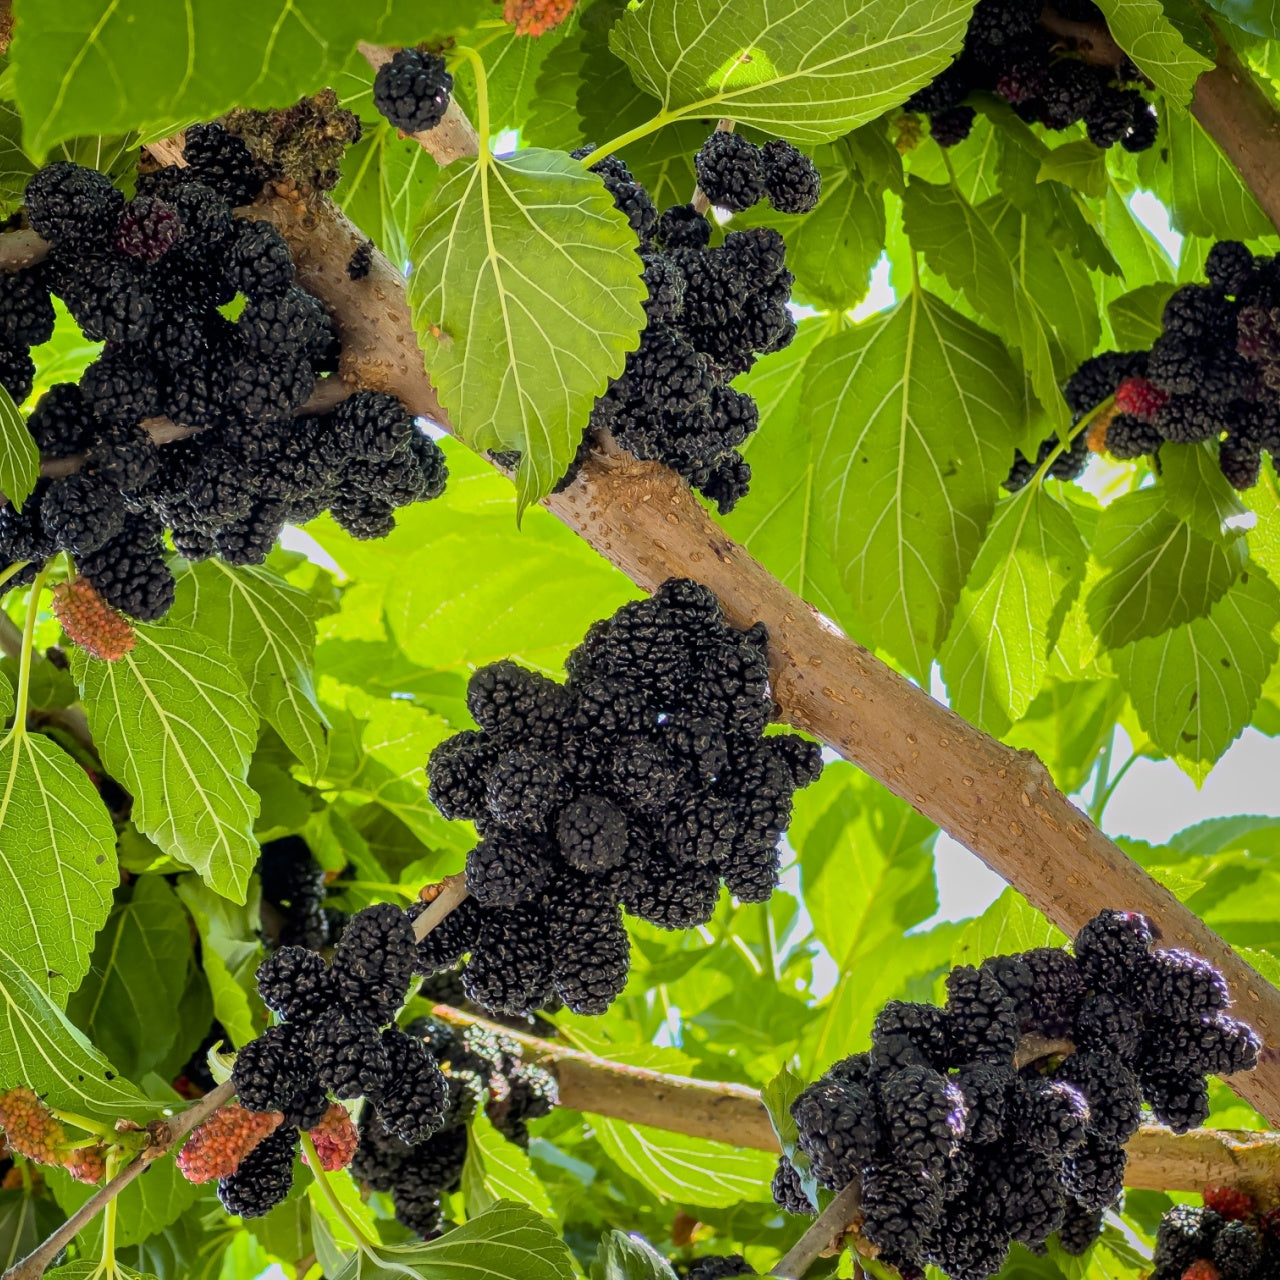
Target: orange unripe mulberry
{"points": [[534, 17], [215, 1148], [87, 1164], [29, 1126], [335, 1139], [92, 623]]}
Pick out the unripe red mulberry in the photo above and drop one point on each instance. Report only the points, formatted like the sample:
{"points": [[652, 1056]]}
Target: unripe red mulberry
{"points": [[1140, 398], [87, 1164], [29, 1126], [90, 622], [536, 17], [1230, 1202], [335, 1138], [216, 1148]]}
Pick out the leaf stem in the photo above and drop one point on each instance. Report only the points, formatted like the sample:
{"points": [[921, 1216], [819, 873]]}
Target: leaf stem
{"points": [[11, 572], [482, 98], [331, 1196], [83, 1122], [1117, 779], [652, 125], [1064, 442], [19, 729]]}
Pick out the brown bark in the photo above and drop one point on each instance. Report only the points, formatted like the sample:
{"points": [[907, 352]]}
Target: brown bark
{"points": [[733, 1113], [1240, 118]]}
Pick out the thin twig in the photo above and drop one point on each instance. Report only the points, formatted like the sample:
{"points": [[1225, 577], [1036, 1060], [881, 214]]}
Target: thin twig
{"points": [[450, 893], [165, 1135], [825, 1235], [699, 201]]}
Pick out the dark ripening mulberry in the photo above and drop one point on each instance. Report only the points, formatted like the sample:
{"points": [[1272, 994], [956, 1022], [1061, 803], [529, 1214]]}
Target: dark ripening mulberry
{"points": [[412, 1103], [270, 1070], [264, 1177], [412, 90], [223, 162], [456, 772], [1111, 950], [348, 1054], [1178, 985], [73, 206], [1185, 1233], [510, 966], [900, 1206], [590, 949], [373, 964], [294, 983], [129, 571], [788, 1189], [1110, 1088], [720, 1268], [507, 867], [1080, 1228], [982, 1020], [791, 179], [1093, 1174], [838, 1130], [907, 1034], [449, 941], [730, 171], [923, 1115], [1050, 1117]]}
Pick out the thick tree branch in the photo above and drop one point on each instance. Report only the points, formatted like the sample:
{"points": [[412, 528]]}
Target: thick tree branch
{"points": [[1158, 1159], [165, 1135], [826, 1235]]}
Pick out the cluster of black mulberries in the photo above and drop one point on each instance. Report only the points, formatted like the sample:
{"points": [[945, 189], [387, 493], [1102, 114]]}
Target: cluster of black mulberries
{"points": [[1009, 53], [412, 90], [735, 174], [719, 1266], [962, 1146], [481, 1067], [294, 887], [337, 1035], [147, 277], [641, 782], [1226, 1238], [1212, 374], [710, 313]]}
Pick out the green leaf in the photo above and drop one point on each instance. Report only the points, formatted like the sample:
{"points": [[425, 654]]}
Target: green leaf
{"points": [[126, 1002], [809, 69], [781, 525], [848, 829], [109, 66], [451, 573], [497, 1169], [1008, 925], [958, 243], [1155, 44], [1201, 187], [85, 1268], [173, 722], [1080, 165], [689, 1170], [1067, 726], [777, 1097], [526, 296], [1136, 316], [1025, 577], [1261, 17], [913, 418], [505, 1241], [25, 1220], [268, 628], [624, 1257], [1158, 571], [41, 1049], [19, 456], [57, 862], [285, 1232], [1198, 492], [1195, 687], [230, 952]]}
